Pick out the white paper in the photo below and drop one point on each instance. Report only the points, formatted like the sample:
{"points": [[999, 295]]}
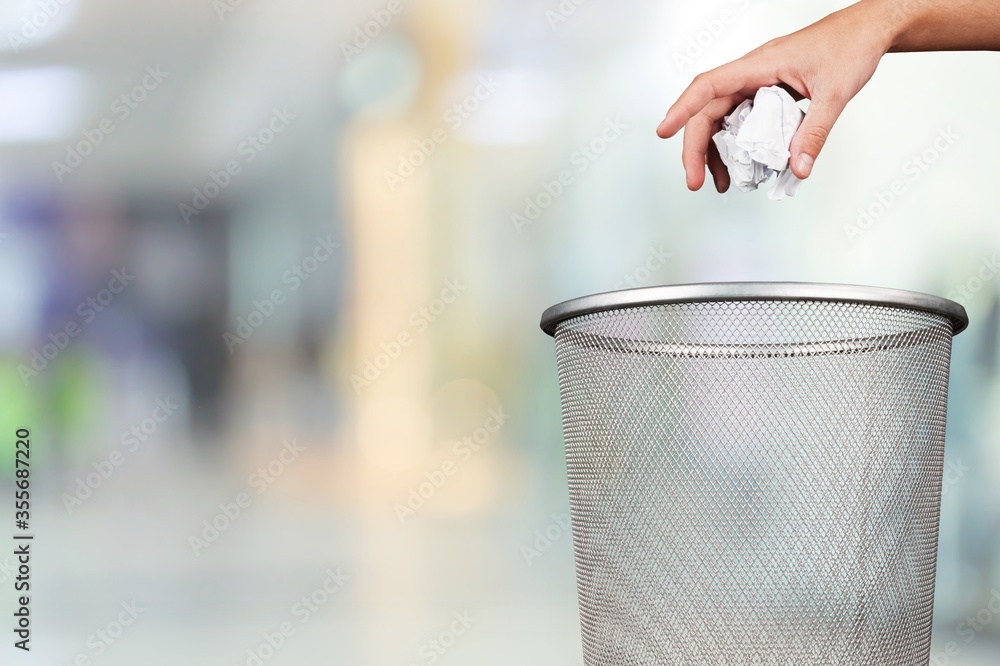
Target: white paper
{"points": [[754, 142]]}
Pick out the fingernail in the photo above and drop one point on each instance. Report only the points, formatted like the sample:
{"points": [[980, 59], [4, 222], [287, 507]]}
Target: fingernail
{"points": [[659, 128], [805, 164]]}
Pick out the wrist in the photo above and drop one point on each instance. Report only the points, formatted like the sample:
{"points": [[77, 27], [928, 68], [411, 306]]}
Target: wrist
{"points": [[893, 21]]}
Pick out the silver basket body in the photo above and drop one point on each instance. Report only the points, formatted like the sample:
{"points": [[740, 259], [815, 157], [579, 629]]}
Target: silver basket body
{"points": [[755, 481]]}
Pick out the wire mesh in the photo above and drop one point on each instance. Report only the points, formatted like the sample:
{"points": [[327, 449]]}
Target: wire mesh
{"points": [[755, 482]]}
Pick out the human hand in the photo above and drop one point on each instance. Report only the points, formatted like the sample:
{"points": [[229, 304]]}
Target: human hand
{"points": [[828, 62]]}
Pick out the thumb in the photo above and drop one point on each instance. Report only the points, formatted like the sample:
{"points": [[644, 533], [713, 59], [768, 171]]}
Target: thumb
{"points": [[813, 133]]}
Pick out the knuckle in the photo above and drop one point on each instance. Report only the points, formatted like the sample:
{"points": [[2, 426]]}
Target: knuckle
{"points": [[704, 80], [768, 47], [816, 135], [701, 119]]}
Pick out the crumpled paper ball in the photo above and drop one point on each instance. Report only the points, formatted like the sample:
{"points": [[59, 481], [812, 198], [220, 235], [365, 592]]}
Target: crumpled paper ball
{"points": [[754, 141]]}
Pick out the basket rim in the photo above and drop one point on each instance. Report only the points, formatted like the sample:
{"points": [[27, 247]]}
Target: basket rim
{"points": [[707, 292]]}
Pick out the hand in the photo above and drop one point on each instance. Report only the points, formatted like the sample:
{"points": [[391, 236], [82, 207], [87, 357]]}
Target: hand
{"points": [[829, 62]]}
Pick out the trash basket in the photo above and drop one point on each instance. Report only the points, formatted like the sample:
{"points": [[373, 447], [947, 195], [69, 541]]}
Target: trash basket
{"points": [[755, 471]]}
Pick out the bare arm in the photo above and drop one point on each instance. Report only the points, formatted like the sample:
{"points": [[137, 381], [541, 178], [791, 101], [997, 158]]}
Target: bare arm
{"points": [[829, 62], [942, 25]]}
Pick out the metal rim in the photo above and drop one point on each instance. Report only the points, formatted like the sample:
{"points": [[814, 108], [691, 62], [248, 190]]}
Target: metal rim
{"points": [[756, 351], [755, 291]]}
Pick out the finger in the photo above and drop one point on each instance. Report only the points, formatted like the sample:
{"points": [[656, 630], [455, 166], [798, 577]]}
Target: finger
{"points": [[698, 136], [739, 76], [718, 168], [813, 133]]}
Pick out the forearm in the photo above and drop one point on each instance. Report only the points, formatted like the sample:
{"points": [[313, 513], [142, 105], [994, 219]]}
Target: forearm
{"points": [[936, 25]]}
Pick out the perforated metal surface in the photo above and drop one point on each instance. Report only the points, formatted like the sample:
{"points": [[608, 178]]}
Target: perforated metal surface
{"points": [[755, 482]]}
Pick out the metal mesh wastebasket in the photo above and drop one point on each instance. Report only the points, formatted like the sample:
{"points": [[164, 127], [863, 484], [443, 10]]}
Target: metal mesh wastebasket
{"points": [[755, 471]]}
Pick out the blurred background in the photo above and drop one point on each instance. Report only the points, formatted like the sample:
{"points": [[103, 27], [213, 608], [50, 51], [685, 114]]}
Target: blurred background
{"points": [[270, 279]]}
